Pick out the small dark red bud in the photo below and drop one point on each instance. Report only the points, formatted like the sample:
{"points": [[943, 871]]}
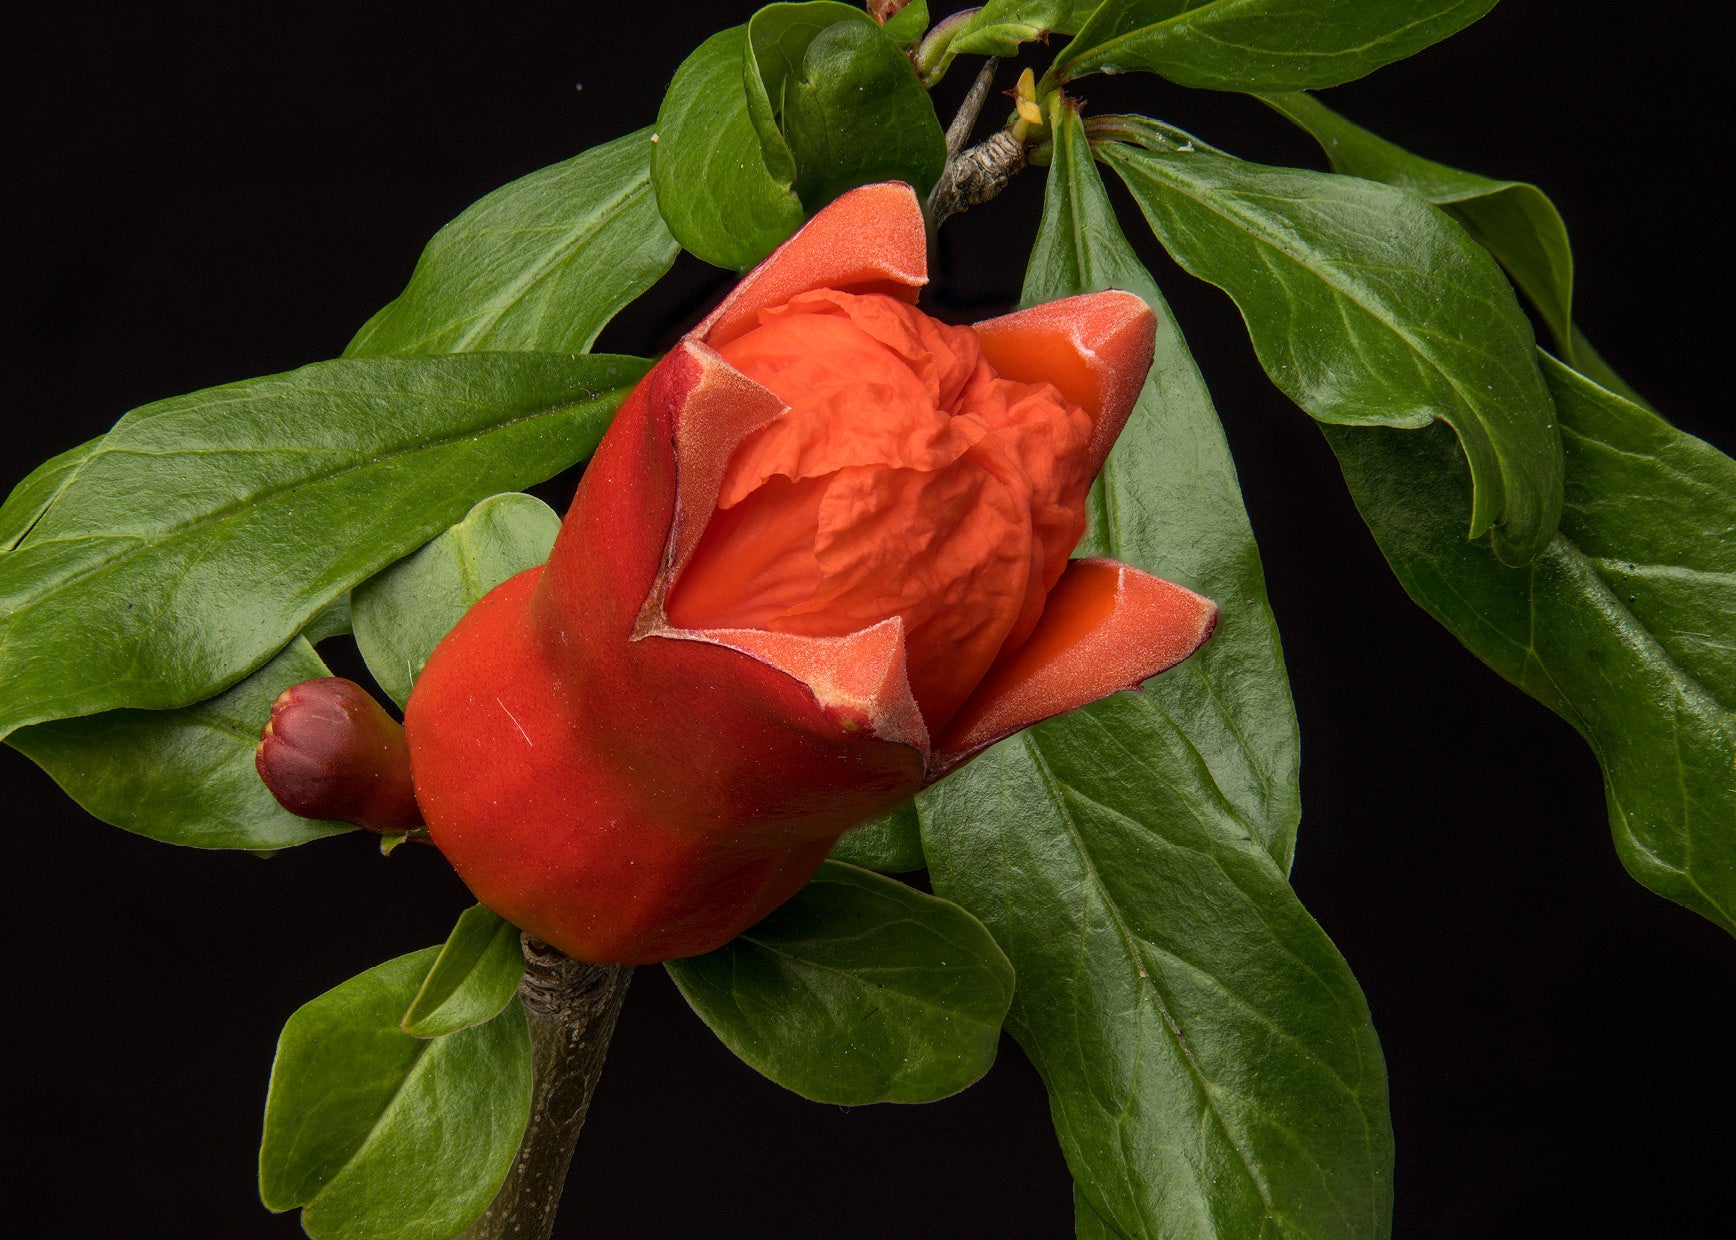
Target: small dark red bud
{"points": [[884, 11], [330, 751]]}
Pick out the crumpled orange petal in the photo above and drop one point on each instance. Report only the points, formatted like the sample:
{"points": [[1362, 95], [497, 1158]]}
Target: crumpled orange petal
{"points": [[623, 757]]}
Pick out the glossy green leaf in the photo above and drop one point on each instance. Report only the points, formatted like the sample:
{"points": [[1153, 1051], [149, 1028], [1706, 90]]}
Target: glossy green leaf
{"points": [[713, 186], [1367, 306], [857, 990], [1000, 26], [205, 531], [1622, 626], [540, 265], [855, 113], [473, 978], [182, 776], [1261, 44], [935, 54], [39, 490], [889, 844], [777, 37], [1168, 502], [1211, 1065], [332, 620], [376, 1133], [1513, 220], [1087, 1223], [907, 26], [401, 614]]}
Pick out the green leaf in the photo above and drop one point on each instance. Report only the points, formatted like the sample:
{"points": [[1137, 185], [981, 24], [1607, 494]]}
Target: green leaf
{"points": [[1168, 502], [1367, 306], [332, 620], [540, 265], [401, 614], [205, 531], [376, 1133], [777, 37], [907, 26], [38, 492], [1513, 220], [713, 186], [889, 844], [1260, 44], [1622, 626], [1000, 26], [857, 990], [473, 978], [1211, 1065], [835, 103], [182, 776], [855, 113], [1088, 1224], [1206, 1051]]}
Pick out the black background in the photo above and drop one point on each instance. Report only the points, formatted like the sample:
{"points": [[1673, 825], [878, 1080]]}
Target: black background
{"points": [[230, 191]]}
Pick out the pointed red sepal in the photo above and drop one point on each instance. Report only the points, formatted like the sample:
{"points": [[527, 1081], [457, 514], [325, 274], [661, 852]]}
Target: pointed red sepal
{"points": [[870, 240], [1095, 348], [858, 679], [1106, 627]]}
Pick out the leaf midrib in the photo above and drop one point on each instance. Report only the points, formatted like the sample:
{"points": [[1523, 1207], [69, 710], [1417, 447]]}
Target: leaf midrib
{"points": [[272, 495], [1130, 942], [1213, 8], [804, 963], [1376, 312], [478, 326]]}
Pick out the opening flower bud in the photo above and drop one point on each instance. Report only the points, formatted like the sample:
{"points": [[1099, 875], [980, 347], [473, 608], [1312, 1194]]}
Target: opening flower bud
{"points": [[907, 478], [330, 751], [819, 560]]}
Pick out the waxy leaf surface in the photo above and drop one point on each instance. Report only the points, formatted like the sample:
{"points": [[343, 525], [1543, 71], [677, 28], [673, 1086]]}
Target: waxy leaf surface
{"points": [[1513, 220], [182, 776], [855, 113], [857, 990], [713, 186], [908, 25], [376, 1133], [1622, 626], [40, 488], [473, 978], [1211, 1065], [777, 37], [540, 265], [332, 620], [205, 531], [1261, 44], [1000, 26], [401, 613], [1087, 1223], [889, 844], [1367, 306], [1168, 502], [1210, 1062]]}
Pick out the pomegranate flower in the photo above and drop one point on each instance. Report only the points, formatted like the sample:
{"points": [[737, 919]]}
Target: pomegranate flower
{"points": [[819, 560]]}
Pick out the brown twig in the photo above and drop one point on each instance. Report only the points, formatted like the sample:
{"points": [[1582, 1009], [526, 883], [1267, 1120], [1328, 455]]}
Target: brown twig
{"points": [[974, 176], [965, 119], [572, 1008], [977, 175]]}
